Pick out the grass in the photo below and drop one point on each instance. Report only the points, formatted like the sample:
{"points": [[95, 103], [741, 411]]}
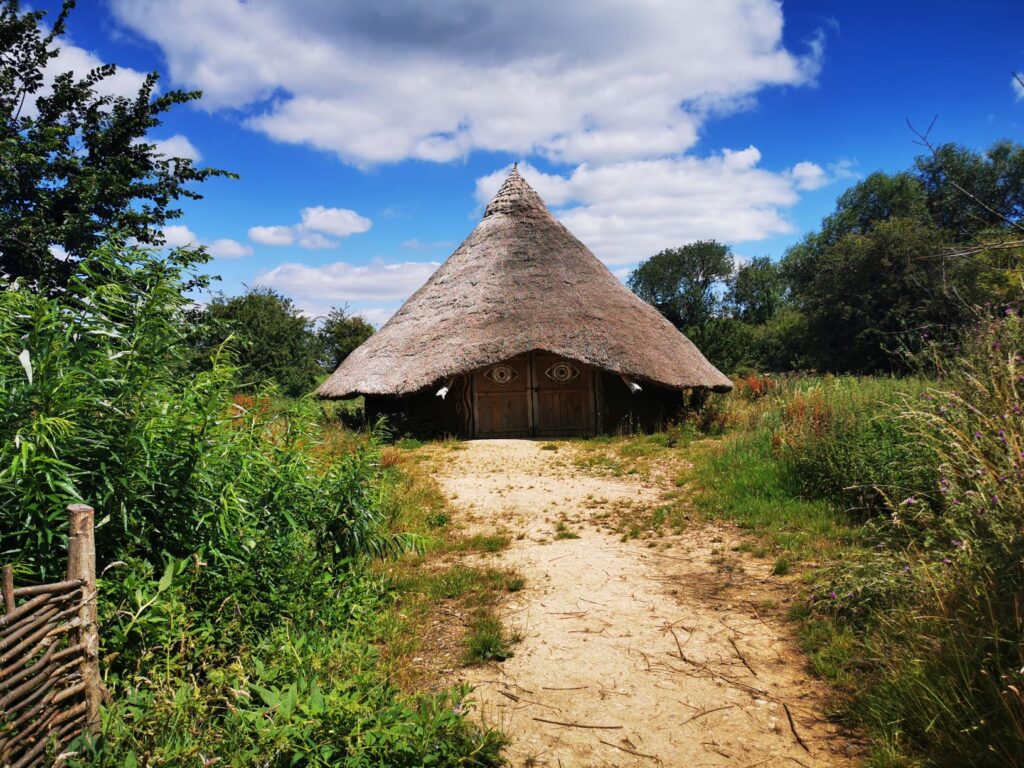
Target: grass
{"points": [[488, 640], [738, 478], [563, 531], [484, 543], [445, 575]]}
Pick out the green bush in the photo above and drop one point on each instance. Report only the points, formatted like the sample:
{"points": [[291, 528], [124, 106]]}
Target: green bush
{"points": [[237, 621], [937, 607], [846, 441]]}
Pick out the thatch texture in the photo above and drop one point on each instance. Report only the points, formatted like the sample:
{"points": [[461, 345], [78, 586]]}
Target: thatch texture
{"points": [[520, 282]]}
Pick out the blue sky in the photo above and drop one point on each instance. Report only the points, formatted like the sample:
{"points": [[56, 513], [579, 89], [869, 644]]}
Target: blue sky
{"points": [[367, 135]]}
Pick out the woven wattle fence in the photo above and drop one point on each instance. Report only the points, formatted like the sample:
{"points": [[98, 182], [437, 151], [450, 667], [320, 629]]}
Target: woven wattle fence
{"points": [[50, 687]]}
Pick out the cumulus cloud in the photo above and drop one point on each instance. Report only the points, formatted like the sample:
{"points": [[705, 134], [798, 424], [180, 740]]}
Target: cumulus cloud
{"points": [[627, 211], [340, 222], [180, 236], [808, 176], [583, 80], [316, 222], [373, 291], [226, 248], [177, 145], [272, 235]]}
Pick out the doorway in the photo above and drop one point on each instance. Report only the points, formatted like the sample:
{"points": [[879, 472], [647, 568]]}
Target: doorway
{"points": [[534, 395]]}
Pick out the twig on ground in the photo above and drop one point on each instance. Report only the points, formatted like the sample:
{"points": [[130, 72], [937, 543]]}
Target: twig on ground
{"points": [[741, 657], [630, 751], [706, 712], [580, 725], [792, 727]]}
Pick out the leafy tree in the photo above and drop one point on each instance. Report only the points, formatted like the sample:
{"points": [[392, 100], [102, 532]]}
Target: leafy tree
{"points": [[968, 192], [275, 343], [757, 291], [341, 333], [75, 164], [728, 344], [873, 295], [684, 283]]}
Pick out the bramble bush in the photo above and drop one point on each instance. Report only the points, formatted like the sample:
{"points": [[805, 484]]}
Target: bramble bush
{"points": [[237, 618]]}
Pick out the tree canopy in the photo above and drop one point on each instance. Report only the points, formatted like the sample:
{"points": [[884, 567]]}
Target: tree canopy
{"points": [[904, 259], [682, 282], [77, 166], [340, 333]]}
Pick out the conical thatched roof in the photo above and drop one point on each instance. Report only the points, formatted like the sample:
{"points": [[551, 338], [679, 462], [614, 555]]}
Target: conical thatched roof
{"points": [[520, 282]]}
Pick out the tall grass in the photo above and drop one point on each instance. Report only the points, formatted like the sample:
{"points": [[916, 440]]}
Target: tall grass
{"points": [[910, 492], [239, 624], [951, 657]]}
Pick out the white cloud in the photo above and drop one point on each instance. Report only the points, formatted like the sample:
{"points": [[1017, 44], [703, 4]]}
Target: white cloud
{"points": [[373, 291], [579, 81], [808, 175], [627, 211], [317, 221], [340, 222], [1018, 88], [180, 236], [177, 145], [415, 244], [272, 235], [314, 240], [226, 248], [124, 82], [843, 170]]}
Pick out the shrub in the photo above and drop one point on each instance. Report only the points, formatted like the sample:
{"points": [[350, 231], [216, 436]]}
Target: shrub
{"points": [[938, 607], [847, 442], [237, 621]]}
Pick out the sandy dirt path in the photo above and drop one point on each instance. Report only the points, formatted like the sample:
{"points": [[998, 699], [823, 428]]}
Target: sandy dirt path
{"points": [[631, 655]]}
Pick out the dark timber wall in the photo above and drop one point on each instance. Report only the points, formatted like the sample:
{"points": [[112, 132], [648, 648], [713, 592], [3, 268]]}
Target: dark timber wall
{"points": [[424, 414], [646, 411]]}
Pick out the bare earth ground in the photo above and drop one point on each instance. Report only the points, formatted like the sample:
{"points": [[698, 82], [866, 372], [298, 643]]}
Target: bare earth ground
{"points": [[631, 655]]}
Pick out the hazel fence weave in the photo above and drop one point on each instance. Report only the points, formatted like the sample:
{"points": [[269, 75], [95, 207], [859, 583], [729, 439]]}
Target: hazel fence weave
{"points": [[50, 687]]}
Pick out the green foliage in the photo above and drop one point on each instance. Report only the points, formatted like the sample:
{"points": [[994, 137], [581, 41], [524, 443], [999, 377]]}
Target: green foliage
{"points": [[237, 621], [757, 292], [871, 296], [76, 164], [275, 343], [962, 701], [487, 640], [994, 181], [905, 257], [901, 262], [729, 344], [682, 282], [917, 618], [340, 334], [845, 440], [740, 480]]}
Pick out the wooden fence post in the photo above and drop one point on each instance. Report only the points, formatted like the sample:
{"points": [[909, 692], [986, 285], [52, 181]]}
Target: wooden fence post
{"points": [[82, 566], [8, 588]]}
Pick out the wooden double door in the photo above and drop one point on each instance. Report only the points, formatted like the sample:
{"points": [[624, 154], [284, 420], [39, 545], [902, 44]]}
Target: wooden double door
{"points": [[534, 395]]}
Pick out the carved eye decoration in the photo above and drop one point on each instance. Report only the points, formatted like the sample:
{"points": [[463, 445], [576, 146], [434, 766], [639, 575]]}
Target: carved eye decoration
{"points": [[501, 374], [562, 372]]}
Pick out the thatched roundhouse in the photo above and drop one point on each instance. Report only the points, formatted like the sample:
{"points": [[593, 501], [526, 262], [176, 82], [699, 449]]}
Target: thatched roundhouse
{"points": [[523, 332]]}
